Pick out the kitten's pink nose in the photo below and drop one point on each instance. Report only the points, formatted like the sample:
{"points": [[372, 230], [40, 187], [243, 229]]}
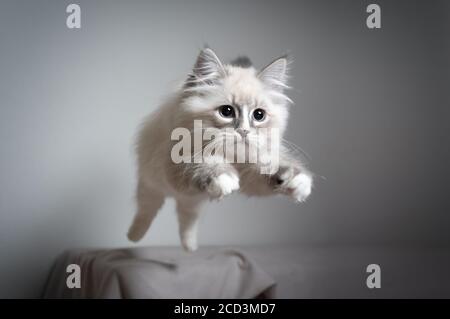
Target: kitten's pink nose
{"points": [[243, 131]]}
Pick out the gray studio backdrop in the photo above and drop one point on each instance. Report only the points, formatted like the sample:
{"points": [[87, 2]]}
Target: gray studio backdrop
{"points": [[371, 109]]}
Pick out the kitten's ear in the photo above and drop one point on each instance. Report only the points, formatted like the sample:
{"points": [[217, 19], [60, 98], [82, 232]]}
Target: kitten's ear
{"points": [[208, 66], [275, 74]]}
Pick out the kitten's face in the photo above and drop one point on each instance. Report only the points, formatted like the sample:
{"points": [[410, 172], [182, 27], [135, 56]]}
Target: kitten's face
{"points": [[239, 100]]}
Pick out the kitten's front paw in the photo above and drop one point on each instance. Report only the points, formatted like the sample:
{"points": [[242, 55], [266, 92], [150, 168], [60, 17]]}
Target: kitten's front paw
{"points": [[301, 185], [222, 185], [294, 183]]}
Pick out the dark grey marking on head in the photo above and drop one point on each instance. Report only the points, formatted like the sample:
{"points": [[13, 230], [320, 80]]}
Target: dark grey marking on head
{"points": [[242, 61]]}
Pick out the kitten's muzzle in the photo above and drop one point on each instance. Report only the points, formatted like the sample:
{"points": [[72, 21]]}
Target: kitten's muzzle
{"points": [[243, 132]]}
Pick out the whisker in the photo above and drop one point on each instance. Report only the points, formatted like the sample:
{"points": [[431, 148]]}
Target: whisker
{"points": [[295, 147]]}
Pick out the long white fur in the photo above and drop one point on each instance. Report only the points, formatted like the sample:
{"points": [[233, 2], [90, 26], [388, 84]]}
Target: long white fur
{"points": [[210, 85]]}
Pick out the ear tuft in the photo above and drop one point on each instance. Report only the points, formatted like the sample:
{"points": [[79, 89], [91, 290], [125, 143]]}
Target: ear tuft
{"points": [[275, 74], [208, 66]]}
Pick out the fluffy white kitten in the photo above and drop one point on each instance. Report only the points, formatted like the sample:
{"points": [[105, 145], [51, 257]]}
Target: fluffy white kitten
{"points": [[224, 96]]}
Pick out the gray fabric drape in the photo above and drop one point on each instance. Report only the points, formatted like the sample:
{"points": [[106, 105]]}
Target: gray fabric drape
{"points": [[160, 273]]}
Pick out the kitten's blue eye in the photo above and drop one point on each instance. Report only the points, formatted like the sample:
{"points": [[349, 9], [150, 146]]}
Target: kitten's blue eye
{"points": [[259, 114], [226, 111]]}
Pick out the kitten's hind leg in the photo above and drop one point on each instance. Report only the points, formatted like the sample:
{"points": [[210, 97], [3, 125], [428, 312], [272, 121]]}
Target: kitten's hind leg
{"points": [[149, 202], [188, 217]]}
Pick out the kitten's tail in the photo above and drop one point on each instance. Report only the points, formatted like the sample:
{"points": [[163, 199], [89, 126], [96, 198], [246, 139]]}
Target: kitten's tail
{"points": [[149, 202]]}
